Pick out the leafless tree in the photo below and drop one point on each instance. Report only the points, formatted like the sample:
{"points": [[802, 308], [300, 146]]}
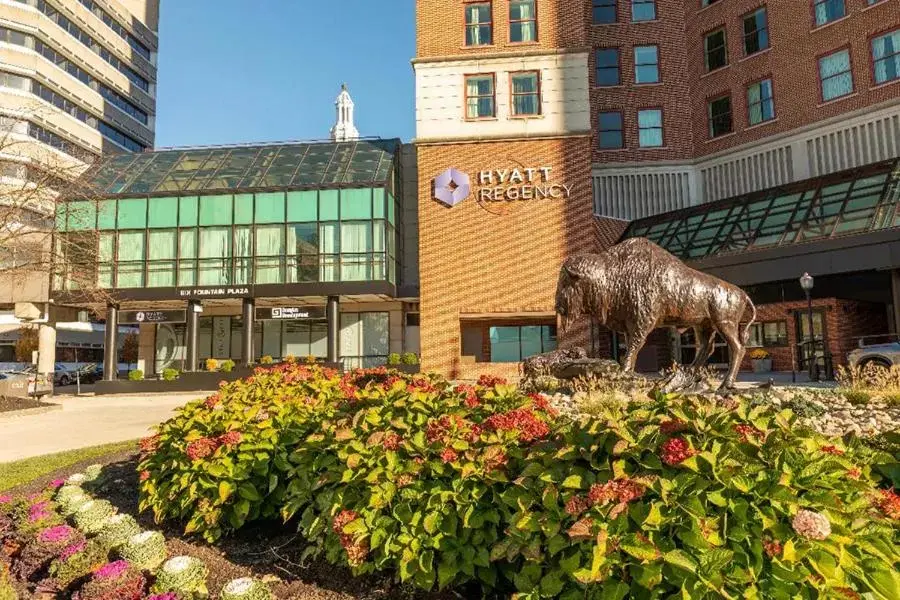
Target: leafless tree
{"points": [[36, 182]]}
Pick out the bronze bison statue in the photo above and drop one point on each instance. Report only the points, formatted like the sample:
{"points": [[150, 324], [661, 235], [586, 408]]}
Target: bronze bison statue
{"points": [[635, 287]]}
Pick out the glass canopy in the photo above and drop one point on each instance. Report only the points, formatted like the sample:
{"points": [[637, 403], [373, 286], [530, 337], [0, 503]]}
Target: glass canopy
{"points": [[847, 203], [246, 167]]}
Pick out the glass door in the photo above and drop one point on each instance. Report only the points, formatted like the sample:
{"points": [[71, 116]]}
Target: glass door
{"points": [[810, 347]]}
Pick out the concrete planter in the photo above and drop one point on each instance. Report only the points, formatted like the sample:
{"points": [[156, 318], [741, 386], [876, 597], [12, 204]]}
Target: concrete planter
{"points": [[761, 365]]}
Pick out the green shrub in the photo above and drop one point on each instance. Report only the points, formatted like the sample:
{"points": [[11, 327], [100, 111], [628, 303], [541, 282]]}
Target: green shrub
{"points": [[266, 360], [92, 515], [393, 359], [857, 396], [76, 561], [145, 550], [246, 588], [227, 366], [117, 530], [170, 374], [184, 575], [673, 497], [409, 358], [136, 375]]}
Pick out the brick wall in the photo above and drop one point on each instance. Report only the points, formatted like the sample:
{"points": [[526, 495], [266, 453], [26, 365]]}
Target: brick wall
{"points": [[440, 28], [500, 259], [845, 320]]}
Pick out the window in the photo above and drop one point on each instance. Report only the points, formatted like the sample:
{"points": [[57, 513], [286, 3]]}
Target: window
{"points": [[604, 11], [364, 339], [756, 32], [526, 95], [478, 24], [522, 21], [707, 2], [828, 10], [610, 126], [643, 10], [836, 75], [608, 66], [768, 334], [716, 50], [516, 343], [760, 103], [886, 56], [646, 64], [480, 97], [650, 128], [720, 116]]}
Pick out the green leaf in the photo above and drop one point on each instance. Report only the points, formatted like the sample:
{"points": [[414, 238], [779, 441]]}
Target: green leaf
{"points": [[638, 548], [226, 489], [432, 522], [556, 543], [614, 590], [248, 491], [648, 576], [446, 571], [881, 581], [552, 584], [572, 482], [680, 558], [571, 563]]}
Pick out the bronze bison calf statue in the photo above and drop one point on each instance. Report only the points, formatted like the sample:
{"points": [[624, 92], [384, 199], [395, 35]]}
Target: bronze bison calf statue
{"points": [[636, 286]]}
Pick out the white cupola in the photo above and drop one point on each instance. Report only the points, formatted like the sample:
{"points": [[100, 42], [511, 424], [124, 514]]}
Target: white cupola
{"points": [[344, 130]]}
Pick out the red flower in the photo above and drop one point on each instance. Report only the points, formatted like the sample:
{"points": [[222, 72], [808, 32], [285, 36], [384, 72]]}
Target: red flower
{"points": [[201, 448], [675, 451], [392, 441], [672, 426], [230, 438], [494, 461], [832, 450], [475, 433], [145, 475], [149, 444], [748, 431], [212, 401], [577, 505], [490, 381], [521, 420], [772, 547], [448, 455], [342, 519], [854, 473], [889, 503], [619, 490]]}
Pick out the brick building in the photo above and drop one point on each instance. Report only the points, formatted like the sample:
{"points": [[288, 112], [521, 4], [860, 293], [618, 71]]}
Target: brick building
{"points": [[654, 111]]}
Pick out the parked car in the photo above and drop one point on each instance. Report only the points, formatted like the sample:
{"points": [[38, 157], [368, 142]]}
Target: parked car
{"points": [[24, 383], [877, 351], [62, 375]]}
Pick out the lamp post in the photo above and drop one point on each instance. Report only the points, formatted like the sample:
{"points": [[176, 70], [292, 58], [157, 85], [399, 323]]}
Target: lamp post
{"points": [[806, 282]]}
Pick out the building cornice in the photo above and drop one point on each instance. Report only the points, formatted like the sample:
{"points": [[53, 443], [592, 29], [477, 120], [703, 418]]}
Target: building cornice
{"points": [[498, 138], [499, 55]]}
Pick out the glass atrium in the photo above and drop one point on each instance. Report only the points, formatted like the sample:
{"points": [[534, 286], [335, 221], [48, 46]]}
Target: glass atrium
{"points": [[848, 203], [246, 215]]}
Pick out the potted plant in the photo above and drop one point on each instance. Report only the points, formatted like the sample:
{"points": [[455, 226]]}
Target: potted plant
{"points": [[409, 363], [761, 361]]}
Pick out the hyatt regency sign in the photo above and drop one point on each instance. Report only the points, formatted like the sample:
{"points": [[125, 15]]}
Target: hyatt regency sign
{"points": [[499, 185]]}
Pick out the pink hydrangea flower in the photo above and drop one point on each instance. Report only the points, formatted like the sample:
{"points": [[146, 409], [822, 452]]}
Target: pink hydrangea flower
{"points": [[60, 533], [111, 570], [5, 498], [56, 484], [811, 525]]}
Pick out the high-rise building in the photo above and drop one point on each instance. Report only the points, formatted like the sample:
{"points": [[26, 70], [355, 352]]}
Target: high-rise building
{"points": [[77, 80], [545, 126], [80, 75]]}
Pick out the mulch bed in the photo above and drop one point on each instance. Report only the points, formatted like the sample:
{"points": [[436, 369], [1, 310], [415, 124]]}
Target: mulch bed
{"points": [[263, 550], [12, 404]]}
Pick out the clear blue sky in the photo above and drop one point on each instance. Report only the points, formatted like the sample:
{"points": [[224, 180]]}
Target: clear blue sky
{"points": [[234, 71]]}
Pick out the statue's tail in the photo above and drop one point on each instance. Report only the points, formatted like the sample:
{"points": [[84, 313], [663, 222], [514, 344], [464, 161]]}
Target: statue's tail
{"points": [[745, 336]]}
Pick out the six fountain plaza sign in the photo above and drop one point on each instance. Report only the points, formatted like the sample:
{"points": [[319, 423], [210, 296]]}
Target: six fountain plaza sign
{"points": [[499, 185]]}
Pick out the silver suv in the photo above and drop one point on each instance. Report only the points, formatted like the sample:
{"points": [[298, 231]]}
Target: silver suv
{"points": [[870, 351]]}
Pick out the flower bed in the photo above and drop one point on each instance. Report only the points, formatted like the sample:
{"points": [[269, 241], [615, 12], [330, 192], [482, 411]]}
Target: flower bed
{"points": [[448, 485]]}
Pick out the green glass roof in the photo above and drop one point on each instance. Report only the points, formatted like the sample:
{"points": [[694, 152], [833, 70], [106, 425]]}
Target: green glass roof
{"points": [[362, 162], [847, 203]]}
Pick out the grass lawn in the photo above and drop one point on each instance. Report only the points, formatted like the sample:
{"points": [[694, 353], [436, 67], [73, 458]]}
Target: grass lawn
{"points": [[28, 469]]}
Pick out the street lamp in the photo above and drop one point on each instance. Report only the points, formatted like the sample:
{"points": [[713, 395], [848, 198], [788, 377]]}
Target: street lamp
{"points": [[806, 282]]}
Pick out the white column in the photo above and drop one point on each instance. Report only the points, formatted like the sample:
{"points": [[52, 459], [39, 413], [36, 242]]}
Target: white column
{"points": [[47, 349]]}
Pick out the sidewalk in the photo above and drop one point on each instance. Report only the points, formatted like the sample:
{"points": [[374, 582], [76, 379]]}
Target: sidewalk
{"points": [[85, 421]]}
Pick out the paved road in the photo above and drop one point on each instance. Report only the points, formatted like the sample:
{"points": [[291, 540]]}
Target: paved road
{"points": [[85, 421]]}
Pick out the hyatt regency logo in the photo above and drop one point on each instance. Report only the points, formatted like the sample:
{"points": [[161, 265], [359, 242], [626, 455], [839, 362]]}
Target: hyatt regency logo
{"points": [[452, 187]]}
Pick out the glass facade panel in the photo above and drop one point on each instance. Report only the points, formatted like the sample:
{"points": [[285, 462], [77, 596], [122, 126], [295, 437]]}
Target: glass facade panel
{"points": [[132, 213], [187, 211], [214, 250], [356, 204], [328, 205], [215, 210], [269, 252], [303, 206], [270, 208], [81, 216], [329, 247], [130, 263], [162, 212], [243, 209], [161, 251], [378, 206]]}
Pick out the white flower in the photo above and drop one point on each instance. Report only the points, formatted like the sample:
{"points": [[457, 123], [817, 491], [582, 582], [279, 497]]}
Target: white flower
{"points": [[811, 525], [177, 564], [76, 478], [239, 587], [86, 506], [143, 537]]}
